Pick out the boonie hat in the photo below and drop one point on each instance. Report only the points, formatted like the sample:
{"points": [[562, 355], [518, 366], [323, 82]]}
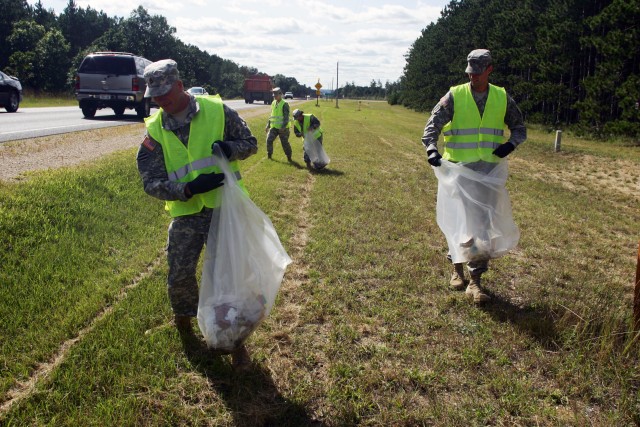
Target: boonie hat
{"points": [[160, 77], [477, 61], [296, 113], [276, 90]]}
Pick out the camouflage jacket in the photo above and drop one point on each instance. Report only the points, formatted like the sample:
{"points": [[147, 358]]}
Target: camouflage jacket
{"points": [[443, 113], [285, 115], [314, 123], [150, 159]]}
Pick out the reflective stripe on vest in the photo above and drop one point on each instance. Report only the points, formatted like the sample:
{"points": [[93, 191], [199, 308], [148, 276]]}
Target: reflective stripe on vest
{"points": [[277, 114], [185, 163], [469, 137], [177, 175], [305, 125]]}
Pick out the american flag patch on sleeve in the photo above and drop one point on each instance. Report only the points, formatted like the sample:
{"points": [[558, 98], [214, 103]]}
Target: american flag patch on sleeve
{"points": [[149, 143]]}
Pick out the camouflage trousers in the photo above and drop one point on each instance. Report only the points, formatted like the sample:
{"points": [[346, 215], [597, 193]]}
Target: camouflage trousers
{"points": [[476, 267], [284, 140], [187, 237], [472, 210]]}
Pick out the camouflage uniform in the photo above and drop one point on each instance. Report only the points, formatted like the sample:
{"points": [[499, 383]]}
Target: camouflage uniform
{"points": [[314, 123], [283, 133], [443, 113], [187, 234]]}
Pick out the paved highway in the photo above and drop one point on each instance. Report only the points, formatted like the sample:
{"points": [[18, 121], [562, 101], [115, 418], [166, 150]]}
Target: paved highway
{"points": [[36, 122]]}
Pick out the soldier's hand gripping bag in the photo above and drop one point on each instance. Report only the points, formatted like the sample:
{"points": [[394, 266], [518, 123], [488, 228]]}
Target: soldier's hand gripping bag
{"points": [[315, 151], [473, 211], [242, 270]]}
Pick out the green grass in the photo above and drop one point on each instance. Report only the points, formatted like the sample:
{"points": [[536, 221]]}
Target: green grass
{"points": [[31, 99], [365, 330]]}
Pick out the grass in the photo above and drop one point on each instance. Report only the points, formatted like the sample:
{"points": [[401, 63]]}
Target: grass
{"points": [[32, 99], [365, 331]]}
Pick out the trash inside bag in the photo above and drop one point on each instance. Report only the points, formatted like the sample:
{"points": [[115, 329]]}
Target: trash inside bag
{"points": [[314, 149], [243, 268], [474, 212], [230, 319]]}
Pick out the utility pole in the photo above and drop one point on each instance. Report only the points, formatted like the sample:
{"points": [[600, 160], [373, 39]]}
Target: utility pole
{"points": [[337, 85]]}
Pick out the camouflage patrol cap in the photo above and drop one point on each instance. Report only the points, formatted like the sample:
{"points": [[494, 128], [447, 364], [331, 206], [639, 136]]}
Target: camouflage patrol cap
{"points": [[477, 61], [160, 77]]}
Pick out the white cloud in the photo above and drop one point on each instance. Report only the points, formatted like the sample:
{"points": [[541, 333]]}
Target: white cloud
{"points": [[236, 10], [298, 38]]}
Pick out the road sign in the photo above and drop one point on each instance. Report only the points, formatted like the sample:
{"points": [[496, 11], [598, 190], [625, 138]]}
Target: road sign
{"points": [[318, 85], [318, 92]]}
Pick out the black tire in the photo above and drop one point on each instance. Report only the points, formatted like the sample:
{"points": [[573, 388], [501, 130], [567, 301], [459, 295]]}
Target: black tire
{"points": [[14, 102], [144, 109], [89, 111], [119, 111]]}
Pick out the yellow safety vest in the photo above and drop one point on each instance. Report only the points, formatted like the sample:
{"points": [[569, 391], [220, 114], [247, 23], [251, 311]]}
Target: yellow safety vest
{"points": [[469, 137], [277, 115], [305, 125], [185, 163]]}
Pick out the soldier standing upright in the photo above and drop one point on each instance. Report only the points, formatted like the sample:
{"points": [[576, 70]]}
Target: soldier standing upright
{"points": [[472, 117], [278, 124]]}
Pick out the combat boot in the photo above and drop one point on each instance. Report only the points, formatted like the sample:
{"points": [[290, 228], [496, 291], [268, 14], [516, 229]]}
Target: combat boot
{"points": [[269, 156], [183, 324], [289, 159], [475, 291], [240, 359], [457, 282]]}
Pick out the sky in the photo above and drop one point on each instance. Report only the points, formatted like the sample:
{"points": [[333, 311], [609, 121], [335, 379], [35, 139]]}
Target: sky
{"points": [[333, 42]]}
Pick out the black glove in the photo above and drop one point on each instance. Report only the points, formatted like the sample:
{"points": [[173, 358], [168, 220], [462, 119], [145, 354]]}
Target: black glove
{"points": [[504, 149], [225, 146], [205, 182], [434, 158]]}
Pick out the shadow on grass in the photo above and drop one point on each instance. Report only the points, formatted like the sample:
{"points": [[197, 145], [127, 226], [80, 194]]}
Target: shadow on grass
{"points": [[326, 171], [133, 118], [251, 396], [536, 321], [293, 163]]}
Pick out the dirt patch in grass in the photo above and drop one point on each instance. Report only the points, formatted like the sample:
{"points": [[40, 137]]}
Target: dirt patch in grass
{"points": [[586, 172], [19, 157], [68, 149]]}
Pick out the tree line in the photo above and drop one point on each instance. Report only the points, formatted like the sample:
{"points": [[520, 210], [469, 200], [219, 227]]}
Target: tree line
{"points": [[44, 50], [566, 62], [375, 90]]}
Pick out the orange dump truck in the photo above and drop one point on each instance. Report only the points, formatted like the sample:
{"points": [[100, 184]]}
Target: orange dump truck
{"points": [[258, 88]]}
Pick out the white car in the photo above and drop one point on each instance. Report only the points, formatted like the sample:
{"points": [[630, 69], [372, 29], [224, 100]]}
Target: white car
{"points": [[197, 90], [288, 95]]}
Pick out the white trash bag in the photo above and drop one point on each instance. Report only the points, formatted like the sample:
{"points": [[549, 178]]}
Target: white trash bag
{"points": [[242, 271], [474, 212], [315, 151]]}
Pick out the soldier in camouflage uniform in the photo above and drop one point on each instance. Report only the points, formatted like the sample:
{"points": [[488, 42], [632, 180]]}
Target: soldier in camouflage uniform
{"points": [[188, 230], [299, 129], [278, 124], [478, 69]]}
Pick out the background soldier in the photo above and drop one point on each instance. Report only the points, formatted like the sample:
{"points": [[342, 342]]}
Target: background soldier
{"points": [[303, 123], [278, 124]]}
